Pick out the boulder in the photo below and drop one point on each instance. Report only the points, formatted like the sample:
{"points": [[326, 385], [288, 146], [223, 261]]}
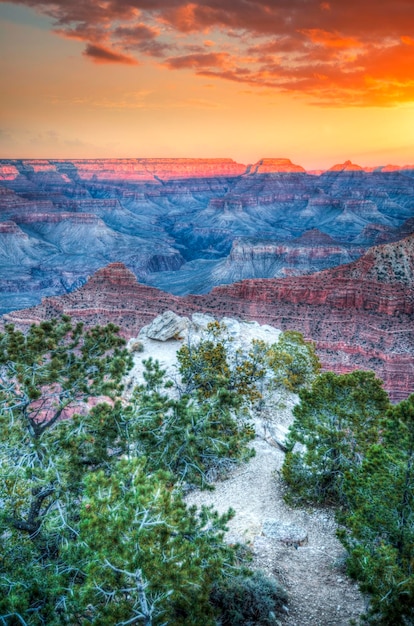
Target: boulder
{"points": [[288, 534], [277, 434], [166, 326]]}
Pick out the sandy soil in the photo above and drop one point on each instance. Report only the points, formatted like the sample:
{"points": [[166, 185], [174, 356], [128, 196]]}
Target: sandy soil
{"points": [[320, 593]]}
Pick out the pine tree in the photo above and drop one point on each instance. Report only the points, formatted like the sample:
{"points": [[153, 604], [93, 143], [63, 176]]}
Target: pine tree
{"points": [[336, 421], [197, 438], [144, 555], [379, 521], [45, 374], [90, 533]]}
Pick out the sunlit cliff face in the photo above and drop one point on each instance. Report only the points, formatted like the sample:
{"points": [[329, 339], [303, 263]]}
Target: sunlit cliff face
{"points": [[170, 77]]}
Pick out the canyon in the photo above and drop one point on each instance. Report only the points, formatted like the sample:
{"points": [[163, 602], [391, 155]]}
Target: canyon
{"points": [[327, 253], [188, 225], [360, 315]]}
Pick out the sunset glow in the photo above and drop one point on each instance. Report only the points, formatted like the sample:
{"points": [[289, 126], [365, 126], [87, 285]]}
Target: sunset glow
{"points": [[317, 82]]}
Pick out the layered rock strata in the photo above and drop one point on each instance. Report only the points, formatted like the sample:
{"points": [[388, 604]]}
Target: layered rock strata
{"points": [[360, 315], [187, 225]]}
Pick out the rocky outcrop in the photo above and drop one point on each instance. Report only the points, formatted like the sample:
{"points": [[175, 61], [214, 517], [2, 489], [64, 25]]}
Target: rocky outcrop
{"points": [[112, 294], [151, 170], [360, 315], [275, 166], [168, 325], [348, 166], [312, 252]]}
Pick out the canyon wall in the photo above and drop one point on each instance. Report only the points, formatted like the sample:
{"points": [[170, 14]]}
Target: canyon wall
{"points": [[187, 225], [360, 315]]}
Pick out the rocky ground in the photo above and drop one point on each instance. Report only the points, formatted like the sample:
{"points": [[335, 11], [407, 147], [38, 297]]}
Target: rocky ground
{"points": [[298, 546], [320, 593]]}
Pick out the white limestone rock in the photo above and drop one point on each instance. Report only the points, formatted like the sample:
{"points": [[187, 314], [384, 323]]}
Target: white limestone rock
{"points": [[166, 326]]}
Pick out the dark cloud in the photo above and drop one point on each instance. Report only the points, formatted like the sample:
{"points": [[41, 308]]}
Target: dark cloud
{"points": [[99, 54], [329, 51], [136, 33], [197, 61]]}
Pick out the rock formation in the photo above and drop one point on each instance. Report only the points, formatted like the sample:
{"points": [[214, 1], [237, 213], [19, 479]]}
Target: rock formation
{"points": [[166, 326], [360, 315], [112, 294], [187, 225]]}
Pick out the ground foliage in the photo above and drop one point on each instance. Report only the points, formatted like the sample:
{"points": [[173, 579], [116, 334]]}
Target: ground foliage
{"points": [[92, 531], [359, 455], [249, 600]]}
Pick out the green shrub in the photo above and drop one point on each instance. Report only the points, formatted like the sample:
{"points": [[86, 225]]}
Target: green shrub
{"points": [[378, 525], [136, 346], [247, 600], [336, 421], [195, 438]]}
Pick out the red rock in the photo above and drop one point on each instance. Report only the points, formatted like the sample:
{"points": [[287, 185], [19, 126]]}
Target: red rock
{"points": [[360, 315], [150, 170], [274, 166], [8, 172], [112, 294], [348, 166]]}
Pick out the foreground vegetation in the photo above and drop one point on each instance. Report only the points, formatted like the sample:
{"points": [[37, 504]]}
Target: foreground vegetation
{"points": [[357, 453], [93, 525]]}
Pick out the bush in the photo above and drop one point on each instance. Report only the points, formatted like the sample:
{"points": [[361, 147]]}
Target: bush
{"points": [[210, 367], [136, 346], [293, 361], [244, 600], [195, 438], [336, 420], [379, 522]]}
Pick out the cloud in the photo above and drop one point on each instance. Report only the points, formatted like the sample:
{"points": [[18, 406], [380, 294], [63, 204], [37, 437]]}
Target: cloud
{"points": [[197, 61], [334, 52], [99, 54], [330, 39]]}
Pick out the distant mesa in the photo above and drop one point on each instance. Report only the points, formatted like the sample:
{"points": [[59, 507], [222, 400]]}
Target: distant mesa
{"points": [[348, 166], [10, 227], [275, 166], [315, 237]]}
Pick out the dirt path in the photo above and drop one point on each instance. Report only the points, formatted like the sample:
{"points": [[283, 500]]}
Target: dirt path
{"points": [[320, 594]]}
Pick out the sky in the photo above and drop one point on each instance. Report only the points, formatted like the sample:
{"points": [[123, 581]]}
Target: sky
{"points": [[319, 82]]}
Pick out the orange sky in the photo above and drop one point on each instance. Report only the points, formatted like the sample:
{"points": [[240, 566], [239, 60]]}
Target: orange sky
{"points": [[317, 82]]}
